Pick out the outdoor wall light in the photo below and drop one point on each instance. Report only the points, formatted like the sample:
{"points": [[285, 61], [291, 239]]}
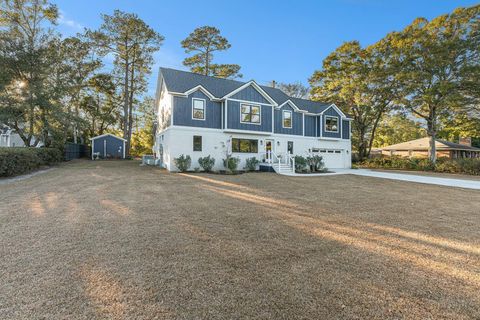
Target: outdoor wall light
{"points": [[278, 143], [261, 142]]}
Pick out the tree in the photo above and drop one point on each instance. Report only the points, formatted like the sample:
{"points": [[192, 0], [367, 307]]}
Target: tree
{"points": [[461, 125], [358, 80], [296, 89], [132, 43], [100, 104], [397, 128], [144, 135], [81, 65], [206, 40], [438, 61], [29, 59]]}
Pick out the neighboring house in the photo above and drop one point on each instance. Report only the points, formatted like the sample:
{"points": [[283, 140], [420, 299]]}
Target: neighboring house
{"points": [[200, 116], [9, 138], [419, 148]]}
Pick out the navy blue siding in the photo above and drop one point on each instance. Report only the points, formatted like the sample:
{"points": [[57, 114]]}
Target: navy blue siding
{"points": [[345, 129], [297, 122], [332, 112], [114, 147], [318, 120], [233, 120], [310, 126], [182, 112], [250, 94]]}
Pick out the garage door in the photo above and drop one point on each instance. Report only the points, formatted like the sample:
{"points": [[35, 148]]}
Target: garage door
{"points": [[333, 158]]}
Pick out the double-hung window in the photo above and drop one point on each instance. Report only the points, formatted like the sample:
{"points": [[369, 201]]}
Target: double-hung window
{"points": [[250, 114], [198, 109], [331, 124], [197, 143], [287, 119]]}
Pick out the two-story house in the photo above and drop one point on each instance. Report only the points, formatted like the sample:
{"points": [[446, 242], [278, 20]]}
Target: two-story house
{"points": [[200, 116]]}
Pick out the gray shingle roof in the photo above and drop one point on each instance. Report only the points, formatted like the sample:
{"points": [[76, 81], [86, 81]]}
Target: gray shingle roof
{"points": [[424, 144], [181, 81]]}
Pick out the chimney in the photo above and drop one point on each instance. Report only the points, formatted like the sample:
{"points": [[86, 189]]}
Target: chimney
{"points": [[465, 141], [273, 83]]}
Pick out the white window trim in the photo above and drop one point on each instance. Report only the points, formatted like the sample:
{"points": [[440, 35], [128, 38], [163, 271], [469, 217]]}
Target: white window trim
{"points": [[193, 141], [204, 109], [283, 119], [325, 123], [259, 114]]}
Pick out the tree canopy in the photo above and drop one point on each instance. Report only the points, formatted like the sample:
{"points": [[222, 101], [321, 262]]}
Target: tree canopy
{"points": [[204, 41]]}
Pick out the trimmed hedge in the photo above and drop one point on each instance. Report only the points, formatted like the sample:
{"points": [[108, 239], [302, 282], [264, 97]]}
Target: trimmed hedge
{"points": [[15, 161], [468, 165]]}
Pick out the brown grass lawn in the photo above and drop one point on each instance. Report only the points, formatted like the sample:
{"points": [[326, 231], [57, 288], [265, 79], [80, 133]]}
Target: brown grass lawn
{"points": [[116, 240]]}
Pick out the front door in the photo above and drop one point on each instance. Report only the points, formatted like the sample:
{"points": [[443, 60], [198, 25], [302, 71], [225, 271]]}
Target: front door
{"points": [[268, 150]]}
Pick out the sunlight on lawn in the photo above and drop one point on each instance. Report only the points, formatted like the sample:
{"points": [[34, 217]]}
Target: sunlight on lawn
{"points": [[444, 256], [115, 207]]}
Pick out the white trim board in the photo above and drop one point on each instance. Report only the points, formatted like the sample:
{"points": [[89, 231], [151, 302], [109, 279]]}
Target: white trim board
{"points": [[107, 134], [256, 87]]}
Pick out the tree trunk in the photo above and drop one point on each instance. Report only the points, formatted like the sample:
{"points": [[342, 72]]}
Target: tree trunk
{"points": [[372, 135], [433, 149], [432, 132], [130, 111], [207, 64], [361, 144], [125, 107]]}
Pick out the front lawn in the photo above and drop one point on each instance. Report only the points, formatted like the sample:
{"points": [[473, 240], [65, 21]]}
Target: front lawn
{"points": [[111, 239]]}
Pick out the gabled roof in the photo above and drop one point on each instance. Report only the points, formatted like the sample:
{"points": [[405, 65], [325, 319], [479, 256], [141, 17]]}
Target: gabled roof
{"points": [[107, 134], [424, 144], [178, 81]]}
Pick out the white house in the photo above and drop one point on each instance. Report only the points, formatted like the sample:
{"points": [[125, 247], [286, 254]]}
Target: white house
{"points": [[9, 138], [200, 116]]}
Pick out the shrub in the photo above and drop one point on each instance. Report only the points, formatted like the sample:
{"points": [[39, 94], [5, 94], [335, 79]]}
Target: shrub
{"points": [[183, 162], [300, 163], [15, 161], [468, 166], [251, 164], [206, 163], [316, 163], [231, 163]]}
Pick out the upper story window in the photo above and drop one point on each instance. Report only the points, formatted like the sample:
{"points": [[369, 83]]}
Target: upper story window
{"points": [[250, 114], [287, 119], [198, 106], [331, 124]]}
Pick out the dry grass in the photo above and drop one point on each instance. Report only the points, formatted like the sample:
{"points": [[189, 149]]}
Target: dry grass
{"points": [[115, 240]]}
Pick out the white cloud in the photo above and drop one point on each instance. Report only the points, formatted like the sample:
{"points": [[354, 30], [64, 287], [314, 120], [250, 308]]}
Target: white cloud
{"points": [[64, 21]]}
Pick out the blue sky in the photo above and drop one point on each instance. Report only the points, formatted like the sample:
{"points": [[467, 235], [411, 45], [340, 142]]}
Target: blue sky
{"points": [[272, 40]]}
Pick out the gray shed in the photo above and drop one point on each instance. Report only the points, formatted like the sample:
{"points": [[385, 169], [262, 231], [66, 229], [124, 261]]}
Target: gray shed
{"points": [[108, 146]]}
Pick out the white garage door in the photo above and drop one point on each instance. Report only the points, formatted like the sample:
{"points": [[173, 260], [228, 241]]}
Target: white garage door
{"points": [[333, 158]]}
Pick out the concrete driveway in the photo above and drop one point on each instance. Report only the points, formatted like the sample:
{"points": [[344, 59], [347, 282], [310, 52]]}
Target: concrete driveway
{"points": [[459, 183]]}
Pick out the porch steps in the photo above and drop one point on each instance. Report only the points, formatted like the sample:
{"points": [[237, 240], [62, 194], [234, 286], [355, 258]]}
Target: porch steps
{"points": [[283, 169]]}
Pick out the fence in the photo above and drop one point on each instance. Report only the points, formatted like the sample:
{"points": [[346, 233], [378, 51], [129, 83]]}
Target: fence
{"points": [[75, 151]]}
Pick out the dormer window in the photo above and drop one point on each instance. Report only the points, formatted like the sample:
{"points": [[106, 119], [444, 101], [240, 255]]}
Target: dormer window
{"points": [[331, 124], [198, 109], [250, 114], [287, 119]]}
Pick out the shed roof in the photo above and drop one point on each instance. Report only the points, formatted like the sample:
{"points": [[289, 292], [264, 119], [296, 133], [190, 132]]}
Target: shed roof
{"points": [[182, 81], [423, 144]]}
